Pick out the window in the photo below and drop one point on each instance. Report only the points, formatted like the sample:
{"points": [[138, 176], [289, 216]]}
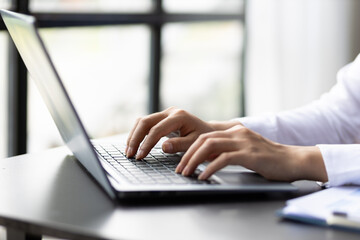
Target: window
{"points": [[202, 62], [3, 94], [91, 6], [4, 4], [105, 71], [121, 59], [204, 6]]}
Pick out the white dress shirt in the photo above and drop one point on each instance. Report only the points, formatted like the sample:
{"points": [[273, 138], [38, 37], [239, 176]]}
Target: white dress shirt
{"points": [[332, 123]]}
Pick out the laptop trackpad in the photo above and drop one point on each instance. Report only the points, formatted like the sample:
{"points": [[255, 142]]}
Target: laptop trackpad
{"points": [[240, 175]]}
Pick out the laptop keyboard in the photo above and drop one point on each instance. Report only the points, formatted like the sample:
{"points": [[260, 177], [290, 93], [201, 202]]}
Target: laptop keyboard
{"points": [[156, 168]]}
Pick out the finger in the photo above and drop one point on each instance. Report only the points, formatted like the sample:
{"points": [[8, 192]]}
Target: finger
{"points": [[130, 135], [210, 147], [163, 128], [196, 145], [222, 161], [141, 130], [179, 144]]}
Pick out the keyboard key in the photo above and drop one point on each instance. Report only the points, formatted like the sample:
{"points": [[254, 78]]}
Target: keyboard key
{"points": [[163, 181], [178, 180], [156, 168]]}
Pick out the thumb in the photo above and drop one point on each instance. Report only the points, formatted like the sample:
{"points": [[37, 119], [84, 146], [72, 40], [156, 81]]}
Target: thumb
{"points": [[178, 144]]}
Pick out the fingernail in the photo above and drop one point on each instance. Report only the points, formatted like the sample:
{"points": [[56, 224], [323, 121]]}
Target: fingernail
{"points": [[178, 169], [126, 149], [186, 171], [130, 152], [202, 176], [140, 154], [167, 147]]}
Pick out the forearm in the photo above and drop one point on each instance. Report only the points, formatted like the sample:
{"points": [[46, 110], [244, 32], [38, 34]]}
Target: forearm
{"points": [[308, 163]]}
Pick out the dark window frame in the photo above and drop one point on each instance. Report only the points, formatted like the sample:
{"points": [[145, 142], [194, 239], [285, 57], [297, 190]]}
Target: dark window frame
{"points": [[17, 77]]}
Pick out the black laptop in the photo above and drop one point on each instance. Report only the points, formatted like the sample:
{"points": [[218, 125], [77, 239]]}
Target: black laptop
{"points": [[120, 177]]}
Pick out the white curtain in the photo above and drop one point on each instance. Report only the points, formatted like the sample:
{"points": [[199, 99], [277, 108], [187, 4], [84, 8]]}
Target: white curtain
{"points": [[295, 48]]}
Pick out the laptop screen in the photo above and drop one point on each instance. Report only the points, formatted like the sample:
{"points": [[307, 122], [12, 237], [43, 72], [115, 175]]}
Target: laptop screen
{"points": [[32, 50]]}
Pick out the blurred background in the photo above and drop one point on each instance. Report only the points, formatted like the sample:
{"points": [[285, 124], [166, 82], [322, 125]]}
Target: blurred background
{"points": [[218, 59]]}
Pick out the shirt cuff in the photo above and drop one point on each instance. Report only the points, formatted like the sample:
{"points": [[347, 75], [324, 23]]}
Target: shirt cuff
{"points": [[342, 163]]}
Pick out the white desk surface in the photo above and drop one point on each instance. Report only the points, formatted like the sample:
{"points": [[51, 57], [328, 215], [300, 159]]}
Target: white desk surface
{"points": [[50, 194]]}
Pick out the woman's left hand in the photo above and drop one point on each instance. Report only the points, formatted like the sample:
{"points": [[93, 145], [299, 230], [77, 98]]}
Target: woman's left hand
{"points": [[241, 146]]}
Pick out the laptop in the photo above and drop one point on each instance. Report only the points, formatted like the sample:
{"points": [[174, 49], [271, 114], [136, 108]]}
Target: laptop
{"points": [[120, 177]]}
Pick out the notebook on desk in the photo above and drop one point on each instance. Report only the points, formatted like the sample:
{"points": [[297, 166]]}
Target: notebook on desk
{"points": [[119, 176], [336, 207]]}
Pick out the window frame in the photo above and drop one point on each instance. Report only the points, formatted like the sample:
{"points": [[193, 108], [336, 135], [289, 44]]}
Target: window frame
{"points": [[155, 19]]}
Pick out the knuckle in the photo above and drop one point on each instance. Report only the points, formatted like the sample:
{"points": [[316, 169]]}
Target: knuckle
{"points": [[173, 118], [243, 131], [210, 143], [138, 119], [180, 112], [145, 121], [204, 136], [170, 109], [154, 131], [176, 112]]}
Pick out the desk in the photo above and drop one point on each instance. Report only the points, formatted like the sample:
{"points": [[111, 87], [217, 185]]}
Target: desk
{"points": [[50, 194]]}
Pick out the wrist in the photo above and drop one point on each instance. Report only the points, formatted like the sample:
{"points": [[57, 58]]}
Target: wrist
{"points": [[309, 163]]}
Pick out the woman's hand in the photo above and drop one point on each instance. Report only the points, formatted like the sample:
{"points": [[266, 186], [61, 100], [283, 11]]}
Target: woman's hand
{"points": [[160, 124], [241, 146]]}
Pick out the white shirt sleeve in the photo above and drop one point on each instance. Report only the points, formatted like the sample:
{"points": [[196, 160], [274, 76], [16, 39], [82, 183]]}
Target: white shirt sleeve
{"points": [[332, 123]]}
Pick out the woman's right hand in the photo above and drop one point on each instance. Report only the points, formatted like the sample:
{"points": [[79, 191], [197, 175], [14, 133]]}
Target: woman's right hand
{"points": [[158, 125]]}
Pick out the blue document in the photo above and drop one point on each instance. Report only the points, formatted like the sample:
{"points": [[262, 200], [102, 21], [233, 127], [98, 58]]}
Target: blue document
{"points": [[337, 207]]}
